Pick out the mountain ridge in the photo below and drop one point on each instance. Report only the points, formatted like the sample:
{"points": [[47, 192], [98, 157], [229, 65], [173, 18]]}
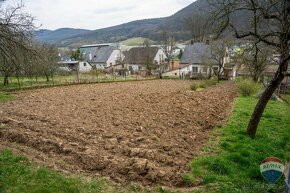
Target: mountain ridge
{"points": [[147, 28]]}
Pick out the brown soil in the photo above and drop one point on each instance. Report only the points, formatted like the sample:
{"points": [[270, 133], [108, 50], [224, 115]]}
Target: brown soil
{"points": [[146, 132]]}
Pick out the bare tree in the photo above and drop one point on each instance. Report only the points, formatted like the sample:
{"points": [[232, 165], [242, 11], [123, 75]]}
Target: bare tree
{"points": [[47, 60], [271, 26], [15, 33], [167, 40], [198, 26], [219, 54], [256, 60]]}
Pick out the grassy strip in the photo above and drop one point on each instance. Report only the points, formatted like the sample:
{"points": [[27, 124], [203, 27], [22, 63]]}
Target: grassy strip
{"points": [[230, 162], [25, 85], [17, 175], [5, 97]]}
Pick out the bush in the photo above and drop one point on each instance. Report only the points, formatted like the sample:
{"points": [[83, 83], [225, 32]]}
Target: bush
{"points": [[212, 81], [194, 86], [248, 87], [203, 85]]}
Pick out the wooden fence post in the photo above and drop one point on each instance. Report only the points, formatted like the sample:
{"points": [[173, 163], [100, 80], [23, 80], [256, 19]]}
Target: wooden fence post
{"points": [[287, 180]]}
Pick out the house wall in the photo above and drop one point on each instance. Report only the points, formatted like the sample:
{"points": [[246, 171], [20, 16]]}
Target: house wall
{"points": [[174, 73], [201, 69], [160, 56], [114, 56], [99, 65], [84, 66], [135, 68]]}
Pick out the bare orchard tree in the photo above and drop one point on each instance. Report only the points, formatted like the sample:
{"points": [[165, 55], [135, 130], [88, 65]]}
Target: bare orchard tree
{"points": [[47, 60], [167, 40], [219, 54], [15, 31], [271, 26], [256, 59], [198, 26]]}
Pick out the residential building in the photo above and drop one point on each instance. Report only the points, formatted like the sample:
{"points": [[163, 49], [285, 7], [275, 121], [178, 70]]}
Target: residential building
{"points": [[145, 58], [102, 56]]}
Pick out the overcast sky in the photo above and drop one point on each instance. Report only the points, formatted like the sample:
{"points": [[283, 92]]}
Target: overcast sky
{"points": [[96, 14]]}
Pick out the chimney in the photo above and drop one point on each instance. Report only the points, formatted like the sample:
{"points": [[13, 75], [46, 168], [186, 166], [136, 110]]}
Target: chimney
{"points": [[191, 42], [207, 42]]}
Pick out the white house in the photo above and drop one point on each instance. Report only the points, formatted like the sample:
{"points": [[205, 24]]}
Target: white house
{"points": [[102, 56], [81, 66]]}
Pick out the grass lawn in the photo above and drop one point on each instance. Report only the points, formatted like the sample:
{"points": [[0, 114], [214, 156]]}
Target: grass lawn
{"points": [[229, 163], [25, 82]]}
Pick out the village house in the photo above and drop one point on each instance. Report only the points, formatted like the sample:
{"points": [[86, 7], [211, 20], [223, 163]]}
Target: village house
{"points": [[71, 65], [67, 64], [102, 56], [197, 62], [145, 59]]}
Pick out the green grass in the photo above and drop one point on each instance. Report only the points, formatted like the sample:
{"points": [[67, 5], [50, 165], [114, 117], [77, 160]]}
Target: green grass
{"points": [[5, 97], [286, 97], [18, 175], [136, 41], [26, 83], [230, 162]]}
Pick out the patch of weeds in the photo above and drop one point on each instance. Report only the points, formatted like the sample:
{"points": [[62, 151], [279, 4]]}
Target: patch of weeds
{"points": [[194, 86]]}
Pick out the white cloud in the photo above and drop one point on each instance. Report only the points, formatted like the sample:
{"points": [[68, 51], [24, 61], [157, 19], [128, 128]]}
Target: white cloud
{"points": [[96, 14]]}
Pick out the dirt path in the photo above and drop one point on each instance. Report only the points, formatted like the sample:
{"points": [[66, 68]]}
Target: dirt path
{"points": [[144, 132]]}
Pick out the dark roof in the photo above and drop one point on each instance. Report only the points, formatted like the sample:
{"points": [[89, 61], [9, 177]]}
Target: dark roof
{"points": [[140, 55], [98, 54], [198, 53]]}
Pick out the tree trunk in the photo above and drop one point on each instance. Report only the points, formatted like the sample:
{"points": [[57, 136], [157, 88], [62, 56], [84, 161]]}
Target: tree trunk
{"points": [[6, 80], [269, 91], [47, 77]]}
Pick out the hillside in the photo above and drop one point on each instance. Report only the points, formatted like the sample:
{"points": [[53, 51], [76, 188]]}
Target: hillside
{"points": [[50, 36], [147, 28]]}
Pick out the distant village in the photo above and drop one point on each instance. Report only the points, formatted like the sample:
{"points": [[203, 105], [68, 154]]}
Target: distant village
{"points": [[197, 60]]}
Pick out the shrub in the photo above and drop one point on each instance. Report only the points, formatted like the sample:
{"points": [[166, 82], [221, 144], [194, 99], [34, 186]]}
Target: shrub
{"points": [[203, 85], [212, 81], [194, 86], [248, 87]]}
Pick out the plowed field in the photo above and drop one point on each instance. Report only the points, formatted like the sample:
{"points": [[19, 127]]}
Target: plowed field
{"points": [[145, 132]]}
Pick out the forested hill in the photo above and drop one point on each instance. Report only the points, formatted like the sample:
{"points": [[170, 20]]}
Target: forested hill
{"points": [[147, 28]]}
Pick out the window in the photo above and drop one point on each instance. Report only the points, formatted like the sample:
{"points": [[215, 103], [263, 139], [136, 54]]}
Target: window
{"points": [[204, 69], [195, 69], [85, 64]]}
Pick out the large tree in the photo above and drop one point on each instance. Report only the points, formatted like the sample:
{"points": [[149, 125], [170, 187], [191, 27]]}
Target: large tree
{"points": [[16, 29], [270, 25], [256, 59]]}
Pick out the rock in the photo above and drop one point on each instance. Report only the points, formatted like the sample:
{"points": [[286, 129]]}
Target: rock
{"points": [[140, 166], [114, 141]]}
